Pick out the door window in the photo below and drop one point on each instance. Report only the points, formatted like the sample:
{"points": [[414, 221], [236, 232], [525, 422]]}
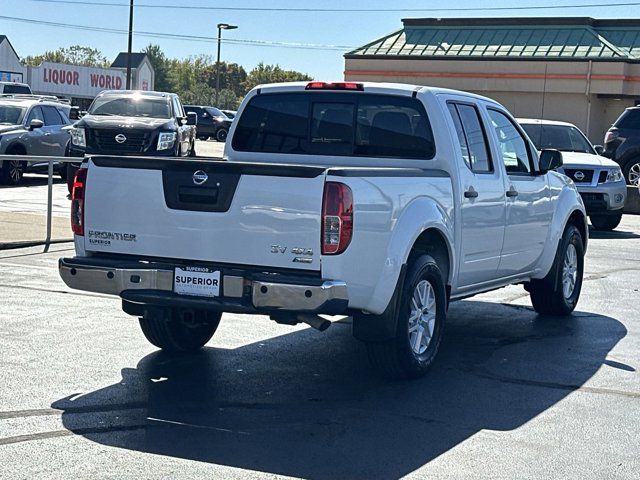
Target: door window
{"points": [[51, 116], [35, 114], [513, 146], [473, 142]]}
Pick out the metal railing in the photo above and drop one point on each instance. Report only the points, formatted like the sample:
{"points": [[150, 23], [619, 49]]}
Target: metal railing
{"points": [[51, 162]]}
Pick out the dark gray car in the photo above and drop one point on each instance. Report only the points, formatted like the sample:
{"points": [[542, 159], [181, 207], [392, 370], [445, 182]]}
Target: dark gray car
{"points": [[31, 125]]}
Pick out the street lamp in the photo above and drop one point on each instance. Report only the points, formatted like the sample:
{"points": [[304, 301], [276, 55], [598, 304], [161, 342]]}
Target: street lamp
{"points": [[221, 26]]}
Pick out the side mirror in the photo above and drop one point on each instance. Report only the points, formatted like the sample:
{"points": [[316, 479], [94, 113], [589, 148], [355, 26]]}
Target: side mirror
{"points": [[74, 113], [35, 123], [192, 118], [599, 149], [550, 160]]}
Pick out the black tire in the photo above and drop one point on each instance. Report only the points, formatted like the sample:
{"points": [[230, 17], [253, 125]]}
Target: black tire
{"points": [[606, 222], [397, 358], [548, 295], [631, 171], [12, 171], [179, 331], [221, 135]]}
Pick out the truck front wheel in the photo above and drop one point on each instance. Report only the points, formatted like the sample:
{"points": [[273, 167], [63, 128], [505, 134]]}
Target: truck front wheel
{"points": [[177, 330], [420, 323], [558, 292]]}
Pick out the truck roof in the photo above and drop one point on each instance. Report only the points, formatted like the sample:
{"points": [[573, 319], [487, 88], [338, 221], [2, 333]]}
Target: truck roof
{"points": [[375, 87], [145, 93]]}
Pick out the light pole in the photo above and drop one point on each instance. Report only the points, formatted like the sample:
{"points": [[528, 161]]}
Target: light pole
{"points": [[129, 47], [221, 26]]}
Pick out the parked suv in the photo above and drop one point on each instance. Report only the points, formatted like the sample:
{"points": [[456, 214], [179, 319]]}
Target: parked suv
{"points": [[31, 125], [212, 123], [622, 144], [598, 179]]}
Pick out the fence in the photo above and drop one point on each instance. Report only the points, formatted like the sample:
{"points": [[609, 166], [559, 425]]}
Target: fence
{"points": [[51, 163]]}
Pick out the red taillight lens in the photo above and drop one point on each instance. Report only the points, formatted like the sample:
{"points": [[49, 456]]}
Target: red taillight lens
{"points": [[337, 218], [610, 135], [77, 201], [334, 86]]}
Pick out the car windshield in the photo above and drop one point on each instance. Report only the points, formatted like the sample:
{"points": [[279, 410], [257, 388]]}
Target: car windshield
{"points": [[214, 112], [11, 114], [559, 137], [131, 106]]}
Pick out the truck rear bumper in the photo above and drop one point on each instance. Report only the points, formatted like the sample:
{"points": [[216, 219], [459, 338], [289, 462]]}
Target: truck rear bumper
{"points": [[147, 284]]}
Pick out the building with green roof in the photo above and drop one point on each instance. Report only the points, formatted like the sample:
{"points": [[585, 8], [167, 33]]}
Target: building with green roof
{"points": [[575, 69]]}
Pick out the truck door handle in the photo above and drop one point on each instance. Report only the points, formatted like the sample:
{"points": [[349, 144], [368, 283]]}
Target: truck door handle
{"points": [[471, 193], [512, 192]]}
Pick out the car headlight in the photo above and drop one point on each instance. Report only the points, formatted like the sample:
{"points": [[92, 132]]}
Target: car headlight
{"points": [[615, 175], [166, 140], [78, 137]]}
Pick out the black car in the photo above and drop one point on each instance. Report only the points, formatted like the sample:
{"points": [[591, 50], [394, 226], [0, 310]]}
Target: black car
{"points": [[132, 122], [212, 123], [622, 144]]}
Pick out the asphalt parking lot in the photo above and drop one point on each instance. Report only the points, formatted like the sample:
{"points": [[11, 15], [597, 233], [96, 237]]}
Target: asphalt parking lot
{"points": [[512, 395]]}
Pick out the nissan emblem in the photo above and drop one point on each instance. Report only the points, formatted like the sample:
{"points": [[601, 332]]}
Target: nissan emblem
{"points": [[200, 177], [120, 138]]}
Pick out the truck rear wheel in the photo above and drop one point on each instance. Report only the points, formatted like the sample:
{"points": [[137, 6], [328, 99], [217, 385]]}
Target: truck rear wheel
{"points": [[420, 323], [606, 222], [176, 330], [558, 292]]}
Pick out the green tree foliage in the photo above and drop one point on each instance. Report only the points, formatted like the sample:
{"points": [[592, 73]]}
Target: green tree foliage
{"points": [[74, 55], [272, 74]]}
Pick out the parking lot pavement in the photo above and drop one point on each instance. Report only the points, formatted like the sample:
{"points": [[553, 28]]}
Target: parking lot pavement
{"points": [[512, 395]]}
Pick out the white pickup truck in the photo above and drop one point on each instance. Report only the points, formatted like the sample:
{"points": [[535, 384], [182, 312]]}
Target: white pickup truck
{"points": [[379, 201]]}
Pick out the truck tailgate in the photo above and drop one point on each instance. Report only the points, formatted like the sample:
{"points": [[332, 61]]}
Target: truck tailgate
{"points": [[208, 211]]}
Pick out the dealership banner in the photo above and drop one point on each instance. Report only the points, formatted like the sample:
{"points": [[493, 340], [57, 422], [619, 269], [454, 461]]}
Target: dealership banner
{"points": [[75, 81]]}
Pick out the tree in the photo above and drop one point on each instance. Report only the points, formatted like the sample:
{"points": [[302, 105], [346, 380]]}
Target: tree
{"points": [[272, 74], [74, 55], [161, 67]]}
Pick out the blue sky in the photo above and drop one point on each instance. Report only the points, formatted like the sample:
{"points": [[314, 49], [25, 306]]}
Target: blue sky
{"points": [[326, 28]]}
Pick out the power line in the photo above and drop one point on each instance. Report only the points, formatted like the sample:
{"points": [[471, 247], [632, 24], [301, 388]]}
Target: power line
{"points": [[342, 10], [197, 38]]}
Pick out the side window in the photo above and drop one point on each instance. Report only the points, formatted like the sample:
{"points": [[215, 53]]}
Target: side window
{"points": [[51, 116], [472, 138], [513, 146], [629, 119], [35, 114], [177, 108], [460, 132]]}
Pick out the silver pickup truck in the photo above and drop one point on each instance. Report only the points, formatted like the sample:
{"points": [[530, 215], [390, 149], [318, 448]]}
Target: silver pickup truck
{"points": [[380, 201]]}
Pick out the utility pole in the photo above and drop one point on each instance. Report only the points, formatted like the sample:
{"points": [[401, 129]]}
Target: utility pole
{"points": [[221, 26], [130, 45]]}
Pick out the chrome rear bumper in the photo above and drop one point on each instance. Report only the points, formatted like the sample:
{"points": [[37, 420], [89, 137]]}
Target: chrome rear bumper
{"points": [[239, 294]]}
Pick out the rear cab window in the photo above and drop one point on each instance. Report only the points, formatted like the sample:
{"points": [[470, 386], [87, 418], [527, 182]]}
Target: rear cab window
{"points": [[338, 124]]}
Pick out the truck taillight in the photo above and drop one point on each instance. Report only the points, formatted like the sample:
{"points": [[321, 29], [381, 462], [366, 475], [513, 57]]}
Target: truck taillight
{"points": [[337, 218], [611, 134], [334, 86], [77, 201]]}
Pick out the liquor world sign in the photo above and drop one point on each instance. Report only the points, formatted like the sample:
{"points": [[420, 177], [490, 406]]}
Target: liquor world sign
{"points": [[75, 81]]}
